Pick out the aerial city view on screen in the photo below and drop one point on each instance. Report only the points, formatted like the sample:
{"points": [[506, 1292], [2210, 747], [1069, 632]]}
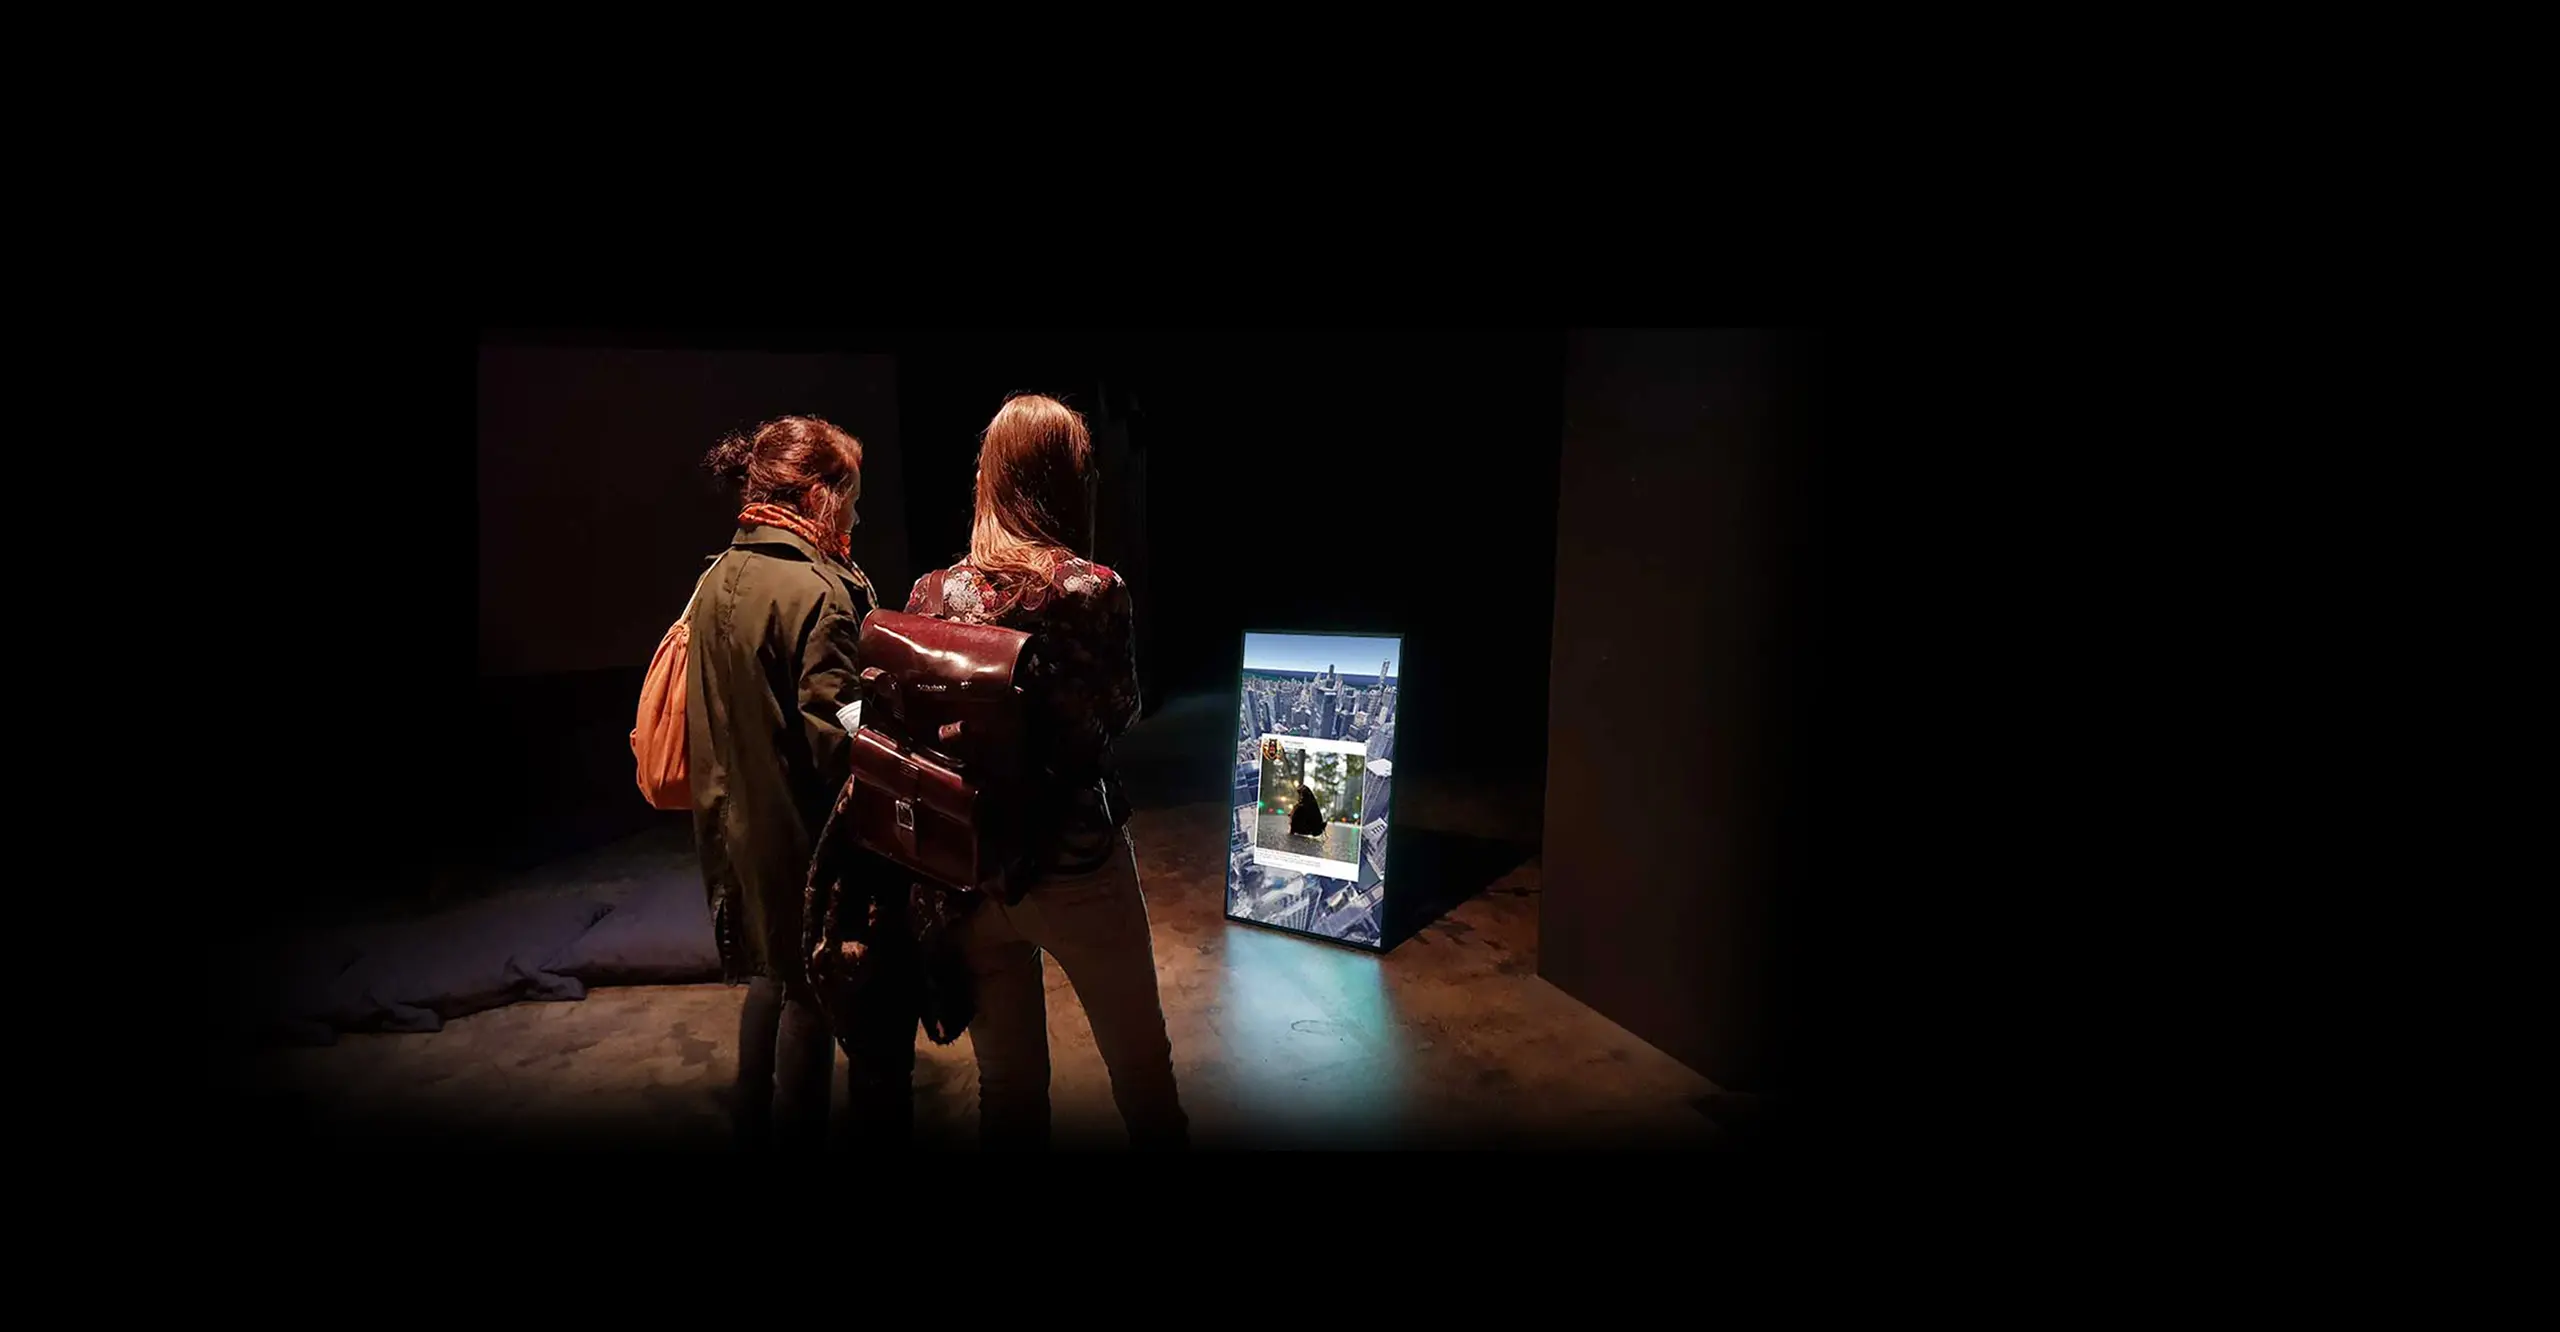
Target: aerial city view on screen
{"points": [[1315, 756]]}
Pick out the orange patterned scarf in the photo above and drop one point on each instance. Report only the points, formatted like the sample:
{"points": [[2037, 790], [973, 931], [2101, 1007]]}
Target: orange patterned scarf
{"points": [[838, 544]]}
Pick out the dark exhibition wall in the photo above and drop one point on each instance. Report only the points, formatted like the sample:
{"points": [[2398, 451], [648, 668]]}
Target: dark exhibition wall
{"points": [[593, 501], [1677, 749]]}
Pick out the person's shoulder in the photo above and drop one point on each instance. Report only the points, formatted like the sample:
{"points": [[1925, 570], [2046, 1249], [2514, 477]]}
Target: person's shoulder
{"points": [[926, 597], [934, 578], [798, 585], [1084, 578]]}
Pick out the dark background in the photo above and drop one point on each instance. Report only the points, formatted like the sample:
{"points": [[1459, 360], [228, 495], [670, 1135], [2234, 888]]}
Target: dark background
{"points": [[593, 498], [1670, 808]]}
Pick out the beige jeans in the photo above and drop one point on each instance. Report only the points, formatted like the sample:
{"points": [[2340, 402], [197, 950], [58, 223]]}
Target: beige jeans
{"points": [[1096, 926]]}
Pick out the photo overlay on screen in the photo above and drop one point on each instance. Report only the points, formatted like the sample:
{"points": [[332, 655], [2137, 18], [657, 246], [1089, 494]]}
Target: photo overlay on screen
{"points": [[1315, 751]]}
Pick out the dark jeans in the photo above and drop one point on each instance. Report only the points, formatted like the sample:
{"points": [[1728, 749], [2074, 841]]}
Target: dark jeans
{"points": [[786, 1055]]}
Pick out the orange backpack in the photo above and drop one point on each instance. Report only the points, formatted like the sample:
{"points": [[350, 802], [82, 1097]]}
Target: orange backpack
{"points": [[658, 734]]}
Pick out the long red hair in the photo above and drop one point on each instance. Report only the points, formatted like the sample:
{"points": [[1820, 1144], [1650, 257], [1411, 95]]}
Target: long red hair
{"points": [[1033, 505]]}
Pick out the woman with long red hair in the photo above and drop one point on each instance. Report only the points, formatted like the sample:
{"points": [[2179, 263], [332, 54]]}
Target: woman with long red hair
{"points": [[1027, 570]]}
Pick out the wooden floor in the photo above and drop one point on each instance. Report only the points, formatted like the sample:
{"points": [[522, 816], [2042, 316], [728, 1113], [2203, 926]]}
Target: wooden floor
{"points": [[1448, 1041]]}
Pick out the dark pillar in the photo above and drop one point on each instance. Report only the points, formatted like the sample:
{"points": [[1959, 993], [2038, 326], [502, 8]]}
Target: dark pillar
{"points": [[1670, 735]]}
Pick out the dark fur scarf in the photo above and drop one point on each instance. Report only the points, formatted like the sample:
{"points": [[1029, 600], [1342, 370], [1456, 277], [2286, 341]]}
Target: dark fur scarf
{"points": [[907, 937]]}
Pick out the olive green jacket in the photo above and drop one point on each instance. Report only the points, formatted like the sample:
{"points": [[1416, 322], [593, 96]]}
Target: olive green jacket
{"points": [[771, 659]]}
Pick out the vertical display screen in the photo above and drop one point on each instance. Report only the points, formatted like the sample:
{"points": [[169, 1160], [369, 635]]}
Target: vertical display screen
{"points": [[1315, 766]]}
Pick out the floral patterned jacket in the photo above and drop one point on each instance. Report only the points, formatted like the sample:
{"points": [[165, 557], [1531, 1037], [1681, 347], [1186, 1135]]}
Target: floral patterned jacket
{"points": [[1083, 690]]}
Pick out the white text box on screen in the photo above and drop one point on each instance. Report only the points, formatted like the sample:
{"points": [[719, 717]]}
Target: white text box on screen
{"points": [[1322, 746]]}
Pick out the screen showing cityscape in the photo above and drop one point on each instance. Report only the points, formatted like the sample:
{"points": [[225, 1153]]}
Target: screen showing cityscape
{"points": [[1315, 763]]}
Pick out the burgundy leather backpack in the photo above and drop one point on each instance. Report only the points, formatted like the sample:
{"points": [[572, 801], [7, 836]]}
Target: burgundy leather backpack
{"points": [[938, 762]]}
